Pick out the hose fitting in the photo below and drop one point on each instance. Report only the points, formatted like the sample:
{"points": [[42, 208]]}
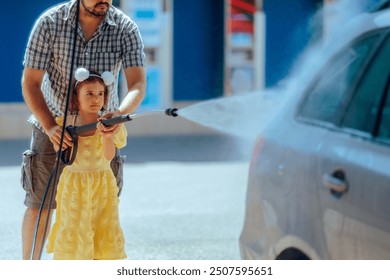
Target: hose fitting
{"points": [[171, 112]]}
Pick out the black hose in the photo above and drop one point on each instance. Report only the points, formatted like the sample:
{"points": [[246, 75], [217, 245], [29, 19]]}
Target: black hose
{"points": [[55, 171]]}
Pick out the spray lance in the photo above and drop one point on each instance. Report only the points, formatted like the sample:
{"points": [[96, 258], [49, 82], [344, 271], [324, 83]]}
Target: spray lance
{"points": [[68, 155]]}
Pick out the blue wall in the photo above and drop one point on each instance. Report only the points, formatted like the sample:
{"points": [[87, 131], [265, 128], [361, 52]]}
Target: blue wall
{"points": [[16, 21], [198, 49], [198, 43], [288, 32]]}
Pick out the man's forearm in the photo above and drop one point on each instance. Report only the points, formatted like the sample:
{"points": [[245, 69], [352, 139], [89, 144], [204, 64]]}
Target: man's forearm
{"points": [[37, 105], [133, 99], [33, 96]]}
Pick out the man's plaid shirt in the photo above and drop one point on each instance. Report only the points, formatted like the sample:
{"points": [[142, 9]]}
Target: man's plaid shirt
{"points": [[116, 43]]}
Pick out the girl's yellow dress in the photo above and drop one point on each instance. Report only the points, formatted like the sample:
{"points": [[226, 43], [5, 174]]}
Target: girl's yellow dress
{"points": [[87, 218]]}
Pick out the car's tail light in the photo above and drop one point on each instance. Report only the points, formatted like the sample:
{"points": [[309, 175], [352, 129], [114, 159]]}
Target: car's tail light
{"points": [[256, 151]]}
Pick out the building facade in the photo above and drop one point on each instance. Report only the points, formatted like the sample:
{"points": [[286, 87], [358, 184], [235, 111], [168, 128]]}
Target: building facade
{"points": [[196, 50]]}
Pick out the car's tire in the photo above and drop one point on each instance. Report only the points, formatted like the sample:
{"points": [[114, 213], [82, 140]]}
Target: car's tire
{"points": [[292, 254]]}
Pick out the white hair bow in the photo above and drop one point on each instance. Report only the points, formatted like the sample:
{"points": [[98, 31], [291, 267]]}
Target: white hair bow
{"points": [[82, 74]]}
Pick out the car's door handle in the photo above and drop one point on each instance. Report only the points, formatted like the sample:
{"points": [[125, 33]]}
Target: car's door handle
{"points": [[334, 184]]}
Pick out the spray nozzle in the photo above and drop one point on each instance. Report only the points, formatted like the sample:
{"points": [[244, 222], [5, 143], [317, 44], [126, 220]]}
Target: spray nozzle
{"points": [[171, 112]]}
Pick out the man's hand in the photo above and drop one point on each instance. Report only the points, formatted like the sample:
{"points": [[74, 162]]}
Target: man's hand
{"points": [[110, 115], [55, 137]]}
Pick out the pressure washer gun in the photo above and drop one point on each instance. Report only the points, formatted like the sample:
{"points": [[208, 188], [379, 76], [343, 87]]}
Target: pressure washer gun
{"points": [[68, 155]]}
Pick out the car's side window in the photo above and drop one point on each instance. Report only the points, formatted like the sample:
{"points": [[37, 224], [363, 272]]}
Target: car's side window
{"points": [[384, 126], [362, 111], [323, 102]]}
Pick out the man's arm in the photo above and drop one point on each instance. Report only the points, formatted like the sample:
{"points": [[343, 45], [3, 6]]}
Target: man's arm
{"points": [[136, 85], [33, 96]]}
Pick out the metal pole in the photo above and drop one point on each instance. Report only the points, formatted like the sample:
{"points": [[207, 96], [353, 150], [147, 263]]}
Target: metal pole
{"points": [[259, 46], [166, 53]]}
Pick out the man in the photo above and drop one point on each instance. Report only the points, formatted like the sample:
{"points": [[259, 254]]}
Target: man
{"points": [[107, 40]]}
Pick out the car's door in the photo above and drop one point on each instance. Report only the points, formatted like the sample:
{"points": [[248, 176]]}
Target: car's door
{"points": [[353, 160], [355, 168]]}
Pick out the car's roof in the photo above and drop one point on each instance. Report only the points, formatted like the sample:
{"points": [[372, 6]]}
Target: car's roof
{"points": [[319, 55], [364, 23]]}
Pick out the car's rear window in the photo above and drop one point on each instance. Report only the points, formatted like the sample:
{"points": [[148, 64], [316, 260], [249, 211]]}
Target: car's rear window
{"points": [[365, 106], [327, 95], [352, 91]]}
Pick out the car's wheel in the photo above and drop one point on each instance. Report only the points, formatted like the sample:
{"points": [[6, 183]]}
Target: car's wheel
{"points": [[292, 254]]}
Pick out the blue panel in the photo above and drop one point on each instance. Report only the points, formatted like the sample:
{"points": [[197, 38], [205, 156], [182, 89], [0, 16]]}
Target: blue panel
{"points": [[152, 99], [198, 49], [16, 21], [288, 33], [146, 14]]}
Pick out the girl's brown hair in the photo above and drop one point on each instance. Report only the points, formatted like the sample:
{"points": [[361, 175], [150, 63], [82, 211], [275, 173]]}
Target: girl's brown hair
{"points": [[93, 77]]}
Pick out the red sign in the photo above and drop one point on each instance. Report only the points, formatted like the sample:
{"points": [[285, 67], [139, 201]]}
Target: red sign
{"points": [[241, 16]]}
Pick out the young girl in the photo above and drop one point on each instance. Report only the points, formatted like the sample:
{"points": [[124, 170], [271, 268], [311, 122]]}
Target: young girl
{"points": [[87, 219]]}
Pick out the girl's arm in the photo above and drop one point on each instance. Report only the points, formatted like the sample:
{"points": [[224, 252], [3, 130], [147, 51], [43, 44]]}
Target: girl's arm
{"points": [[108, 142], [108, 147]]}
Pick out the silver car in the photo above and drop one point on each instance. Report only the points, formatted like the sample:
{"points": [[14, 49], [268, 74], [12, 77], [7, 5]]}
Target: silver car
{"points": [[319, 180]]}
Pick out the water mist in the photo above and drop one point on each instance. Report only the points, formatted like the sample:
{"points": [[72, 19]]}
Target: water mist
{"points": [[246, 115]]}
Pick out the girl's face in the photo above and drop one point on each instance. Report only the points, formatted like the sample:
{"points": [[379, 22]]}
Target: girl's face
{"points": [[91, 96]]}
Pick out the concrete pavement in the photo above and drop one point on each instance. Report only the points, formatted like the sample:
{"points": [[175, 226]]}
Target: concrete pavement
{"points": [[186, 148], [183, 197]]}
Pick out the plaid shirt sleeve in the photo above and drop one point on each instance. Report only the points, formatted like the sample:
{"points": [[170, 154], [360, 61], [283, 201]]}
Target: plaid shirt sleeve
{"points": [[133, 48], [37, 54]]}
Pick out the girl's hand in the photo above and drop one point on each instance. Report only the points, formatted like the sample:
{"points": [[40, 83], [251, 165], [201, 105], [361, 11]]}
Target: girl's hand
{"points": [[107, 131]]}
